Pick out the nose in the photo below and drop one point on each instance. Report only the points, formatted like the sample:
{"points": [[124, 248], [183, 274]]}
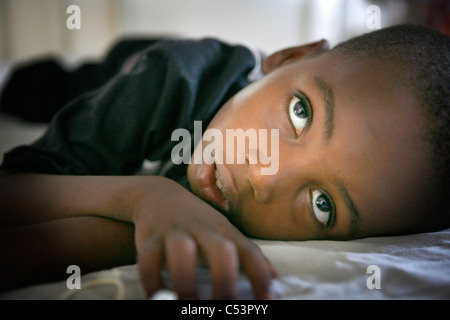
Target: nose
{"points": [[264, 185]]}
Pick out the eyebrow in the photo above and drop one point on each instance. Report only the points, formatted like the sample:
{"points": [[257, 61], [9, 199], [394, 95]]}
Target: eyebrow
{"points": [[327, 94], [354, 213], [326, 91]]}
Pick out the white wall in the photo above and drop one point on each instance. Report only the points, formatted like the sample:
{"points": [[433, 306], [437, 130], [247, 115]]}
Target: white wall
{"points": [[34, 27], [31, 28], [269, 24], [266, 23]]}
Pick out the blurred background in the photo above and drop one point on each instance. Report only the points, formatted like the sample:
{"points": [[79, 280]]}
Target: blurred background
{"points": [[36, 29], [32, 28]]}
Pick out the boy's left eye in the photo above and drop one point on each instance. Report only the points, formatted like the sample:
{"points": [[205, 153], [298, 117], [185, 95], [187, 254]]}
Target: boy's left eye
{"points": [[299, 112], [322, 207]]}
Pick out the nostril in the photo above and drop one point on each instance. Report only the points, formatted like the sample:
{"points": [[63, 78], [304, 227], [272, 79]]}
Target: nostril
{"points": [[258, 183], [247, 163]]}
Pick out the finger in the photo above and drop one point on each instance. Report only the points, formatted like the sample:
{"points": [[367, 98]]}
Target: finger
{"points": [[181, 255], [257, 268], [273, 271], [223, 261], [150, 261]]}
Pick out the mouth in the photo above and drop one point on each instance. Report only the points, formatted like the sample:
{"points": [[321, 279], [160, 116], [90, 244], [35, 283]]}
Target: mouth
{"points": [[217, 181], [211, 187], [216, 186]]}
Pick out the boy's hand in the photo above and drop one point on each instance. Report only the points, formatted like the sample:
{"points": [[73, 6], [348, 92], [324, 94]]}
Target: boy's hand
{"points": [[179, 230], [173, 228]]}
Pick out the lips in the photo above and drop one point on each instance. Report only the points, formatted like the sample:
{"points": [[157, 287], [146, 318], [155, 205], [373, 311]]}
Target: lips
{"points": [[216, 185], [228, 184]]}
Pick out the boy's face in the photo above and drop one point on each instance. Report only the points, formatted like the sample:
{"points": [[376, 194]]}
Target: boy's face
{"points": [[352, 160]]}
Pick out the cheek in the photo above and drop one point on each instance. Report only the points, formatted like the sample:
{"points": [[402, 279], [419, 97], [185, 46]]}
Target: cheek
{"points": [[264, 221], [249, 108], [247, 95]]}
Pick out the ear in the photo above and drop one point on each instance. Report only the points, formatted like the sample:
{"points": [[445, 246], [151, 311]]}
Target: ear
{"points": [[289, 55]]}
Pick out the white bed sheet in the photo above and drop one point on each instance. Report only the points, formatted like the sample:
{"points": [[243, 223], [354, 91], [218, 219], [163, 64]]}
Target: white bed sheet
{"points": [[411, 267]]}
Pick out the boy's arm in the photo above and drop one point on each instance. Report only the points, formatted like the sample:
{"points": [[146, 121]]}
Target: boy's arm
{"points": [[172, 226], [42, 252], [33, 198]]}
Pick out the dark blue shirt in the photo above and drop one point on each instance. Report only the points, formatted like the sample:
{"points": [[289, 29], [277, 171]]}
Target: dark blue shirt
{"points": [[128, 120]]}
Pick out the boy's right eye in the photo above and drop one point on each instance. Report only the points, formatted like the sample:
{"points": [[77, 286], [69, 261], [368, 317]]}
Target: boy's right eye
{"points": [[299, 112], [322, 207]]}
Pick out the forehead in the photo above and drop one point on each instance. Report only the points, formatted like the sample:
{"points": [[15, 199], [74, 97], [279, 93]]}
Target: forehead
{"points": [[378, 146]]}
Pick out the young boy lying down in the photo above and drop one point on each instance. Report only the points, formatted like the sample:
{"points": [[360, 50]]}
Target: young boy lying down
{"points": [[357, 139]]}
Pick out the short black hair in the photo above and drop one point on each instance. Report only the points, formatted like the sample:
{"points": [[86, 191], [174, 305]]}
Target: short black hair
{"points": [[423, 57]]}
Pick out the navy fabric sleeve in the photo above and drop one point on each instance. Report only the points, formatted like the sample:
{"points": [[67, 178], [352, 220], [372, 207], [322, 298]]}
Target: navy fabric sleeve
{"points": [[49, 84], [111, 130]]}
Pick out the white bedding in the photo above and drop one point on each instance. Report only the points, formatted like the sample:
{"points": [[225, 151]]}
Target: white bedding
{"points": [[411, 267]]}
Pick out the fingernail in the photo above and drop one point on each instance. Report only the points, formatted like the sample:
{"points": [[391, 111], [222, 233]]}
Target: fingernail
{"points": [[164, 294], [268, 296]]}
